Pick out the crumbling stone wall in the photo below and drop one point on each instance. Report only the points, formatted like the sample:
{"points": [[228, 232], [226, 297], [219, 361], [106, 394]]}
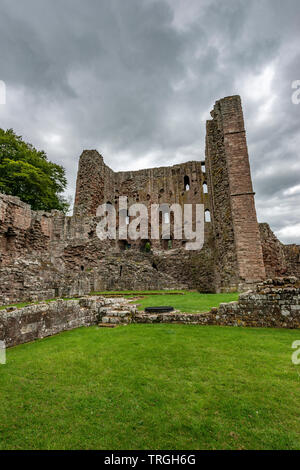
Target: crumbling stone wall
{"points": [[273, 253], [180, 184], [292, 256], [22, 325], [46, 255], [98, 184], [279, 259], [21, 230], [274, 304]]}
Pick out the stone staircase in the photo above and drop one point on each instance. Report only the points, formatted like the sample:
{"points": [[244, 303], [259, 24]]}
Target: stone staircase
{"points": [[116, 312]]}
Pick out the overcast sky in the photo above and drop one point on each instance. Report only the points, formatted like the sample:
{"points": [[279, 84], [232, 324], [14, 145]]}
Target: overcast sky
{"points": [[136, 79]]}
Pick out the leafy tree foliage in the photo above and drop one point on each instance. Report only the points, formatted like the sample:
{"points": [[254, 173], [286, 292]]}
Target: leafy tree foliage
{"points": [[27, 173]]}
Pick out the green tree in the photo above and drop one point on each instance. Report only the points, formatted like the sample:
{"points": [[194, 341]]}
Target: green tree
{"points": [[27, 173]]}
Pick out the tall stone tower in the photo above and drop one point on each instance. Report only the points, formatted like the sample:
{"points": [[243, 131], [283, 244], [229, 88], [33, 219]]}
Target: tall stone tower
{"points": [[95, 182], [239, 257]]}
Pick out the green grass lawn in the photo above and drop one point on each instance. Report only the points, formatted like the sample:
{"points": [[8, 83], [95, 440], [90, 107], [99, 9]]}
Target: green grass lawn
{"points": [[190, 302], [152, 387]]}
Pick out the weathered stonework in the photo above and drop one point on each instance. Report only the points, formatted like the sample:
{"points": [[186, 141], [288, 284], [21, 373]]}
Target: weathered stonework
{"points": [[22, 325], [279, 259], [49, 255], [275, 303]]}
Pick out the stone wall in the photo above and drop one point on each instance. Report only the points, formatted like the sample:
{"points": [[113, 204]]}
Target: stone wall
{"points": [[22, 325], [98, 184], [274, 304], [292, 256], [47, 255], [279, 259]]}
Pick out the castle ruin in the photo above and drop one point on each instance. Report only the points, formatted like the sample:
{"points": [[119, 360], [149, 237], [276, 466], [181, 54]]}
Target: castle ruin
{"points": [[47, 255]]}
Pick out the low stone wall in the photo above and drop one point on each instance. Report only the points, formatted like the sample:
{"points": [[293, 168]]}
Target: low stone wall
{"points": [[275, 304], [21, 325]]}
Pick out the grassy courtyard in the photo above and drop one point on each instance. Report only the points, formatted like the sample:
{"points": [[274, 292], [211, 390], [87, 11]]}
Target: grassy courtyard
{"points": [[185, 301], [152, 387], [189, 302]]}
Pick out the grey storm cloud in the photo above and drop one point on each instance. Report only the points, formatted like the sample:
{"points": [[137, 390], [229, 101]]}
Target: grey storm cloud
{"points": [[136, 79]]}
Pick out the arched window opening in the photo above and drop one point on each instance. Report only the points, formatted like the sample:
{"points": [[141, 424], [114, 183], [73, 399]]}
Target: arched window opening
{"points": [[82, 268], [187, 183], [207, 216], [203, 169], [205, 188]]}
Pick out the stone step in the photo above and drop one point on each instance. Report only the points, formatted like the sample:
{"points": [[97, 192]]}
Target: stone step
{"points": [[117, 313], [115, 320], [107, 325]]}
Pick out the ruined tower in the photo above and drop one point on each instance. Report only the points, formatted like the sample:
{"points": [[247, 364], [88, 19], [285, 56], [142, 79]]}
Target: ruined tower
{"points": [[238, 253], [222, 183]]}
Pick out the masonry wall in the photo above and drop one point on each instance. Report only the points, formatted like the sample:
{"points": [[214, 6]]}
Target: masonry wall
{"points": [[22, 325], [279, 259], [163, 186], [98, 184], [46, 255], [273, 304]]}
